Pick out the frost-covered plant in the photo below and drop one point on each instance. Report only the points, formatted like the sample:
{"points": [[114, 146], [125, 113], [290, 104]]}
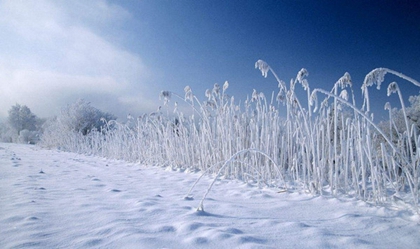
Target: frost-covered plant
{"points": [[71, 128], [330, 147]]}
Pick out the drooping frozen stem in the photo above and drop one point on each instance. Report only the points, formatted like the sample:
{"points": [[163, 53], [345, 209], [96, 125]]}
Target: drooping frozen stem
{"points": [[263, 67]]}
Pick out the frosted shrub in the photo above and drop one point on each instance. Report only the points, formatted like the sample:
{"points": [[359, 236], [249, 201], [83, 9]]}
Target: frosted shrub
{"points": [[29, 137], [329, 146], [71, 130]]}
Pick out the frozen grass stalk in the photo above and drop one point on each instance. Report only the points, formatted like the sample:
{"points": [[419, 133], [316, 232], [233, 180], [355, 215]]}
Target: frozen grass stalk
{"points": [[328, 148]]}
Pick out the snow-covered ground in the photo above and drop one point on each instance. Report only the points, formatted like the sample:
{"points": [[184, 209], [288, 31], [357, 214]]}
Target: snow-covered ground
{"points": [[53, 199]]}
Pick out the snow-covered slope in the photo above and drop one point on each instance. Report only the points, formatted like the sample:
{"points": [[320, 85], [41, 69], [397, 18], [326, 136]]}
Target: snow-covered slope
{"points": [[52, 199]]}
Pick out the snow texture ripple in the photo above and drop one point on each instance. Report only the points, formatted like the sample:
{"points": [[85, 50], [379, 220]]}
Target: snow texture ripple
{"points": [[53, 199]]}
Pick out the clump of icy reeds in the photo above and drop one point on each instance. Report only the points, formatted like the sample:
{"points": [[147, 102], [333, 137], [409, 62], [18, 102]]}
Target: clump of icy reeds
{"points": [[328, 146]]}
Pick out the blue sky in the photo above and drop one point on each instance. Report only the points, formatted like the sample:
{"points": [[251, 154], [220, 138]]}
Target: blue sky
{"points": [[119, 55]]}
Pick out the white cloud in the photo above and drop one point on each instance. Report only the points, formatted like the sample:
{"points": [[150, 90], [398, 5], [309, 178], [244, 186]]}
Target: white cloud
{"points": [[55, 51]]}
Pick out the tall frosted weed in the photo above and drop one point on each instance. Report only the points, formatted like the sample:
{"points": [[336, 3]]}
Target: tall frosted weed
{"points": [[329, 147]]}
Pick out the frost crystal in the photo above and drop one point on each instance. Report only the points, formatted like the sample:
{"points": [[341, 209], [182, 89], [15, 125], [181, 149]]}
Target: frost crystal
{"points": [[263, 67]]}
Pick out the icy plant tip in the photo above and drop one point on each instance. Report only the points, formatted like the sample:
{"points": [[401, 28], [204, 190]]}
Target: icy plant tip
{"points": [[225, 86], [387, 106], [216, 88], [345, 80], [392, 88], [188, 93], [300, 77], [208, 94], [254, 96], [263, 67], [281, 96], [166, 96], [376, 76]]}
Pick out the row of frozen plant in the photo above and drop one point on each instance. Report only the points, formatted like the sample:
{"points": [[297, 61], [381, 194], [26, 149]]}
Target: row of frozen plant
{"points": [[327, 146]]}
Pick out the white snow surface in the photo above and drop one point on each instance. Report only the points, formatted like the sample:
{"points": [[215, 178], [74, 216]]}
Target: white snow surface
{"points": [[53, 199]]}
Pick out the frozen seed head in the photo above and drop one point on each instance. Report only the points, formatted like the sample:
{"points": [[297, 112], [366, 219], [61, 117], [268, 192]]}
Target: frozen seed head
{"points": [[225, 86], [187, 89], [344, 81], [344, 95], [392, 88], [281, 96], [166, 96], [175, 107], [210, 104], [254, 95], [263, 67], [387, 106], [376, 76], [305, 84], [188, 93], [208, 94], [301, 75], [216, 88]]}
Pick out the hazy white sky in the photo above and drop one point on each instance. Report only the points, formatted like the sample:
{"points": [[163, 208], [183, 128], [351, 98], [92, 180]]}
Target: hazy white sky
{"points": [[119, 55], [54, 52]]}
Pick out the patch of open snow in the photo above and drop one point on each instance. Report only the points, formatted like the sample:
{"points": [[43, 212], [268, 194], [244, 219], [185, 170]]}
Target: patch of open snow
{"points": [[53, 199]]}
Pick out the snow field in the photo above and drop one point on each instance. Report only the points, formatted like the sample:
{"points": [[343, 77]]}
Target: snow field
{"points": [[54, 199]]}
